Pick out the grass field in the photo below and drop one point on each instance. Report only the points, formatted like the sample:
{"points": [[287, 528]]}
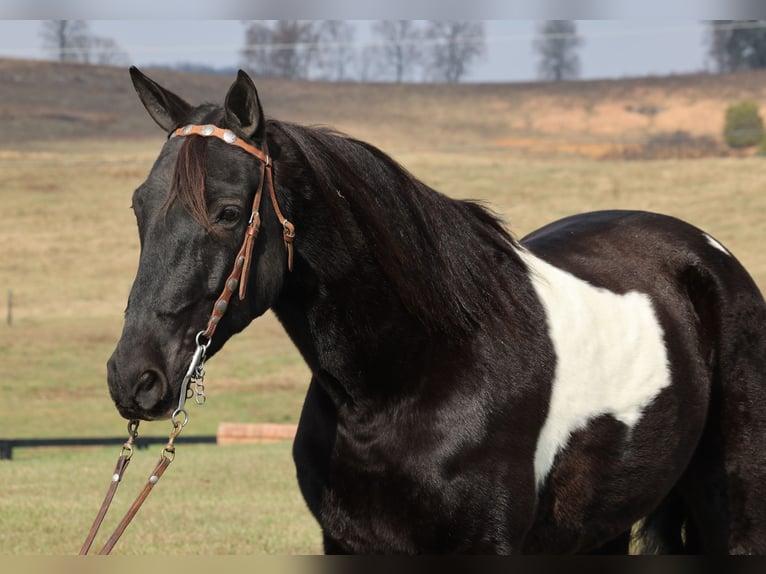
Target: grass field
{"points": [[70, 255], [212, 500], [70, 258], [70, 251]]}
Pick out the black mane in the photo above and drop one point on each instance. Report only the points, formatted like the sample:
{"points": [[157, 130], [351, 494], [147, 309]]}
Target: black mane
{"points": [[447, 259]]}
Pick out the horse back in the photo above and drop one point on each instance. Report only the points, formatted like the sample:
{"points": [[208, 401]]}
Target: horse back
{"points": [[645, 312]]}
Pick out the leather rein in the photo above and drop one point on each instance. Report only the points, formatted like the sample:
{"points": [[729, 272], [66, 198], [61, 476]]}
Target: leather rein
{"points": [[236, 281]]}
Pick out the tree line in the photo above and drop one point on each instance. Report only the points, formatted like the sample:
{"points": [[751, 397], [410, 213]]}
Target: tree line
{"points": [[400, 50], [72, 41]]}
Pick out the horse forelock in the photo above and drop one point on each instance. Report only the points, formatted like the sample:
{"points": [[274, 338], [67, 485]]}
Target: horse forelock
{"points": [[188, 180], [190, 169]]}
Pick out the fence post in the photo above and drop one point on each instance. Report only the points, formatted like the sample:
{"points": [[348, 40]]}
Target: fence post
{"points": [[6, 450], [10, 307]]}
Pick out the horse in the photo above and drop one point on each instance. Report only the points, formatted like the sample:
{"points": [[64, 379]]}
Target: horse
{"points": [[598, 381]]}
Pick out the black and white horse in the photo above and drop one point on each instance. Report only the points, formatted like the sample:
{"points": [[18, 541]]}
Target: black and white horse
{"points": [[469, 392]]}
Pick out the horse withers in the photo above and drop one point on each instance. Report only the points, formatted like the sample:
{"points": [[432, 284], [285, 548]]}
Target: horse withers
{"points": [[469, 392]]}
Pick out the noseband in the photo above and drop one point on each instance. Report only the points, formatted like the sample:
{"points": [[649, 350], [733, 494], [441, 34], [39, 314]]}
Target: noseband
{"points": [[241, 271]]}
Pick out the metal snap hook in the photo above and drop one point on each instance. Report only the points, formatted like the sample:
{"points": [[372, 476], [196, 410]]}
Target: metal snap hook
{"points": [[203, 345], [177, 426]]}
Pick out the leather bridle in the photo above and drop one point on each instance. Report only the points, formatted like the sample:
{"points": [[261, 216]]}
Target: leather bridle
{"points": [[237, 280], [241, 271]]}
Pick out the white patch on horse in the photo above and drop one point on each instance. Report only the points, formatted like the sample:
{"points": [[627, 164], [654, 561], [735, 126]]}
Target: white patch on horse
{"points": [[610, 356], [715, 244]]}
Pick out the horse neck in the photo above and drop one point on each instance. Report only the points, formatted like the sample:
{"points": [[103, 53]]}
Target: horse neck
{"points": [[346, 320], [386, 269]]}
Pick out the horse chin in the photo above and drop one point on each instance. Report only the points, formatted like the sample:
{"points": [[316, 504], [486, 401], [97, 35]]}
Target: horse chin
{"points": [[131, 412]]}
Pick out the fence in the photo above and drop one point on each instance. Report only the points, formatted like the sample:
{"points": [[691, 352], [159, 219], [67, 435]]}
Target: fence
{"points": [[228, 433], [7, 445]]}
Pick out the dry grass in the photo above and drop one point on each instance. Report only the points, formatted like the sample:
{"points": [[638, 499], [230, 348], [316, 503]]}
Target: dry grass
{"points": [[45, 103], [71, 250], [722, 196]]}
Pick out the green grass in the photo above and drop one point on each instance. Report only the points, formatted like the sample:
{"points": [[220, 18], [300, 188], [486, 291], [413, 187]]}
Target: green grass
{"points": [[212, 500]]}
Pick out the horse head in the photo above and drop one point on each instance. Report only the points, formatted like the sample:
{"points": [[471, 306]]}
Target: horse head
{"points": [[193, 211]]}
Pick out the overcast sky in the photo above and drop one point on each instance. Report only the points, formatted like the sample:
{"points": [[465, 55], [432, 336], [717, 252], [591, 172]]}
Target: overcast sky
{"points": [[612, 48]]}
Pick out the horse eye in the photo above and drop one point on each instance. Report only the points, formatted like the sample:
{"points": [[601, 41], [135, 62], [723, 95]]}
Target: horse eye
{"points": [[228, 215]]}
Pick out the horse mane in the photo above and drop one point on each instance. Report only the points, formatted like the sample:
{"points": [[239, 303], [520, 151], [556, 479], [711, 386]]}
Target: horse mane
{"points": [[447, 259], [443, 257]]}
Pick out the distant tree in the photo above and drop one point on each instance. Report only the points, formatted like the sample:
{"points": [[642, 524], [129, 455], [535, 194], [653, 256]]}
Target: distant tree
{"points": [[454, 45], [71, 41], [368, 63], [737, 44], [400, 51], [557, 43], [280, 48], [257, 53], [67, 40], [335, 47], [106, 52]]}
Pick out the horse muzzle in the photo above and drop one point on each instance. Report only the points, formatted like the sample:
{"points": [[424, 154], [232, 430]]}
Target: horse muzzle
{"points": [[139, 389]]}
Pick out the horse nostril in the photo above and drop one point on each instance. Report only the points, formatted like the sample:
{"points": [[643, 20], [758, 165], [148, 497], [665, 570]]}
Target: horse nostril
{"points": [[150, 389]]}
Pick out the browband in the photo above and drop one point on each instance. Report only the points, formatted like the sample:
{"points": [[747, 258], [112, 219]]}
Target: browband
{"points": [[228, 136]]}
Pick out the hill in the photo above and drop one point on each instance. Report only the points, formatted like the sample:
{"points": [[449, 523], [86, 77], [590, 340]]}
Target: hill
{"points": [[43, 101]]}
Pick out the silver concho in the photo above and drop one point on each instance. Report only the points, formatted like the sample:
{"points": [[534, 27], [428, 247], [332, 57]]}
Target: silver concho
{"points": [[187, 130], [229, 137], [207, 130]]}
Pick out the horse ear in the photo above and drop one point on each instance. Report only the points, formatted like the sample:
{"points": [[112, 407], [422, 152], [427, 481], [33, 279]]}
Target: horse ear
{"points": [[165, 108], [243, 108]]}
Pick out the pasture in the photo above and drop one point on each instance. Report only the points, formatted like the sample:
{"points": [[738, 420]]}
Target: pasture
{"points": [[70, 250]]}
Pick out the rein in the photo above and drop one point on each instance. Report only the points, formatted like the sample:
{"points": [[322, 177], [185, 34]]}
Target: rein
{"points": [[193, 381]]}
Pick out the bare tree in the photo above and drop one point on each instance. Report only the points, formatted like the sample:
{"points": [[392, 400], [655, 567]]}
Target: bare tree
{"points": [[368, 63], [280, 48], [106, 52], [67, 40], [737, 44], [454, 45], [557, 43], [400, 51], [256, 54], [335, 57], [71, 41]]}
